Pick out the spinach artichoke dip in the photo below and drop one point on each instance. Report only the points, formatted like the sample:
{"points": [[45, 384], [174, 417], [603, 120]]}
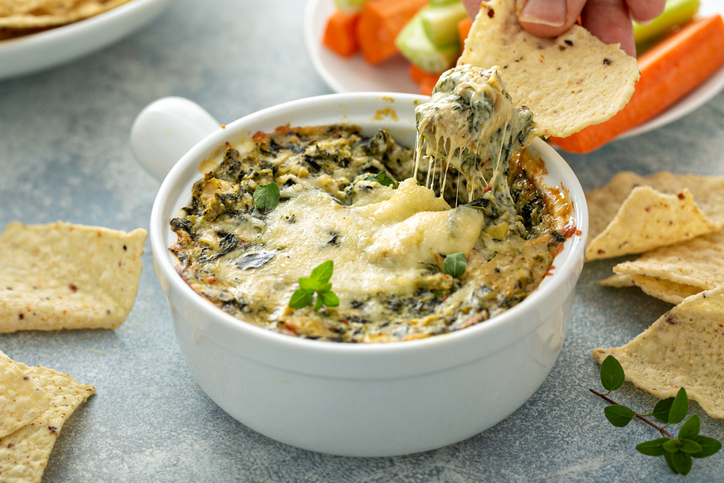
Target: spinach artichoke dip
{"points": [[388, 221]]}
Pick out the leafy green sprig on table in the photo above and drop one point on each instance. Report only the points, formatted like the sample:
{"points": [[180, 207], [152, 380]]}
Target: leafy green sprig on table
{"points": [[266, 197], [317, 282], [678, 452]]}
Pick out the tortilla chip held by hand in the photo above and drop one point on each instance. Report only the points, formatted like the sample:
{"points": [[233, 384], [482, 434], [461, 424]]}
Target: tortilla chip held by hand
{"points": [[63, 276], [683, 348], [569, 82]]}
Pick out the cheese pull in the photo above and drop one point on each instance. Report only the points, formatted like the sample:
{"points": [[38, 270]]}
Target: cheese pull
{"points": [[424, 234]]}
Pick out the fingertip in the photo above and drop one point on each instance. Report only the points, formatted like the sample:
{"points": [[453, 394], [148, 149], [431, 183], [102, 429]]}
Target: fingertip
{"points": [[644, 11], [472, 7]]}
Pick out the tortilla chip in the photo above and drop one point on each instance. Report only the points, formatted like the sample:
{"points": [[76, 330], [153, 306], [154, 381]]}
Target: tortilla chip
{"points": [[648, 219], [24, 454], [684, 348], [617, 281], [569, 82], [15, 7], [56, 13], [666, 290], [604, 202], [21, 401], [63, 276], [675, 272]]}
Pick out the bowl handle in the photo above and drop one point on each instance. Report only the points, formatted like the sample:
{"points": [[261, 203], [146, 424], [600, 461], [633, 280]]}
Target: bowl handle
{"points": [[165, 130]]}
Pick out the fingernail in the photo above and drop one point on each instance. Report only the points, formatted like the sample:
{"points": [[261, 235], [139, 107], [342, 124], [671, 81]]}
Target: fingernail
{"points": [[545, 12]]}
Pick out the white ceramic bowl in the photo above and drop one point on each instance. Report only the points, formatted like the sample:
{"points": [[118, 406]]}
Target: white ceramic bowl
{"points": [[351, 399]]}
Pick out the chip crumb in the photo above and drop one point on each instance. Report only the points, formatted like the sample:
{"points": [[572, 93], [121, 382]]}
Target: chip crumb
{"points": [[96, 351]]}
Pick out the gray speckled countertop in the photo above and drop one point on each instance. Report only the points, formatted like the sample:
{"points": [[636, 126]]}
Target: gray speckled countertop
{"points": [[64, 154]]}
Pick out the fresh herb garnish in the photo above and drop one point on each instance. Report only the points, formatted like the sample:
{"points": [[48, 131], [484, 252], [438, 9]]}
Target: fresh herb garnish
{"points": [[676, 451], [455, 264], [318, 282], [266, 197], [382, 179]]}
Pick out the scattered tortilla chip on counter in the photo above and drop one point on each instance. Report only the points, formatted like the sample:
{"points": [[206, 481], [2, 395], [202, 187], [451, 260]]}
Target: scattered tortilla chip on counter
{"points": [[666, 290], [29, 14], [24, 453], [21, 400], [64, 276], [675, 272], [648, 219], [683, 348], [618, 281], [604, 202], [569, 82]]}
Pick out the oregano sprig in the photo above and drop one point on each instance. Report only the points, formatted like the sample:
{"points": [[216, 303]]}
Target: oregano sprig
{"points": [[317, 282], [677, 451]]}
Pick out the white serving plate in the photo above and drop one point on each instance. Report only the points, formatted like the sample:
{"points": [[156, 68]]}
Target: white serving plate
{"points": [[36, 52], [353, 74]]}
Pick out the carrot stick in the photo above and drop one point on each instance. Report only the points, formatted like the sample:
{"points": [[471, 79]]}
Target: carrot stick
{"points": [[428, 84], [340, 33], [379, 23], [426, 80], [669, 71], [464, 26]]}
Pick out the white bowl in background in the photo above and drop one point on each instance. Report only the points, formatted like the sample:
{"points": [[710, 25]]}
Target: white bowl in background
{"points": [[351, 399], [59, 45]]}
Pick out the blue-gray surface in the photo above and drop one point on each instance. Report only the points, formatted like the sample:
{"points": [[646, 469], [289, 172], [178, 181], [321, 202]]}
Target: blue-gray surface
{"points": [[64, 154]]}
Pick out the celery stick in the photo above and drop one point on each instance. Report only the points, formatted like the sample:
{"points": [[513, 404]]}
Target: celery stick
{"points": [[677, 12], [413, 43], [350, 6], [441, 23], [437, 3]]}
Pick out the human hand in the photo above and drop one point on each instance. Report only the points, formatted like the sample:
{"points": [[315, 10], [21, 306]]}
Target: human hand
{"points": [[609, 20]]}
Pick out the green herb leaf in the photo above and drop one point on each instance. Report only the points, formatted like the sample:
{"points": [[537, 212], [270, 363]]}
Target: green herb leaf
{"points": [[670, 461], [709, 446], [318, 304], [323, 272], [318, 282], [308, 285], [330, 299], [662, 408], [266, 197], [690, 429], [679, 407], [612, 375], [455, 264], [689, 446], [619, 415], [300, 299], [672, 445], [382, 179], [654, 447], [682, 462]]}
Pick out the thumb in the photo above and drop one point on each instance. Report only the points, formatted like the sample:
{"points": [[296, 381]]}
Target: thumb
{"points": [[548, 18]]}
